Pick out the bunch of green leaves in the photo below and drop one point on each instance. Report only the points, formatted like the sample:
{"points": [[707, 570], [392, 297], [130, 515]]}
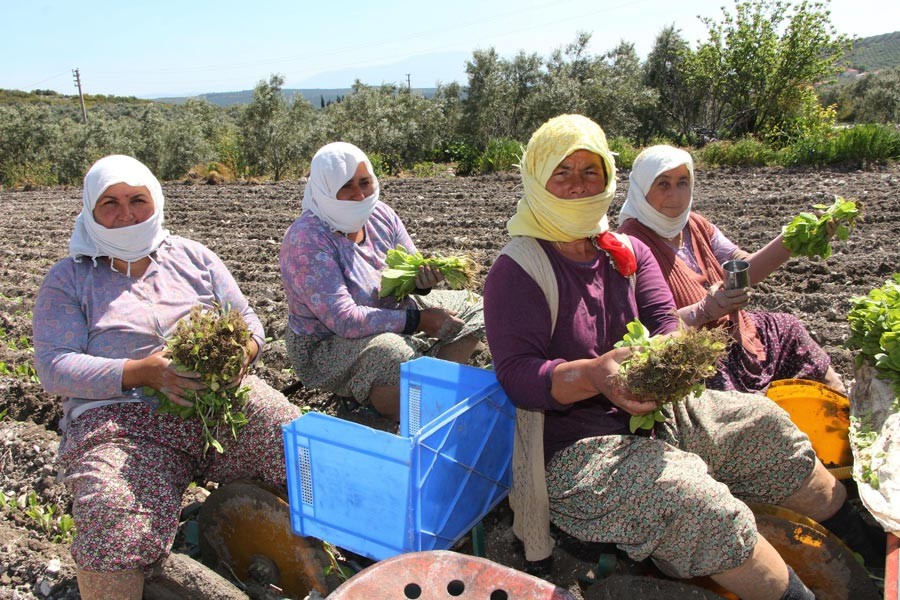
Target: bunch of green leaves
{"points": [[399, 278], [807, 233], [211, 342], [862, 436], [875, 330], [668, 368]]}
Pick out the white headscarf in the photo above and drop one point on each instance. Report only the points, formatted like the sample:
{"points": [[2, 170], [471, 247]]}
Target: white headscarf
{"points": [[649, 165], [332, 166], [130, 243]]}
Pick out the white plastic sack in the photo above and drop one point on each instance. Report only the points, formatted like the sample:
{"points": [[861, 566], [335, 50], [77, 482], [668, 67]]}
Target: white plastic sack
{"points": [[871, 399]]}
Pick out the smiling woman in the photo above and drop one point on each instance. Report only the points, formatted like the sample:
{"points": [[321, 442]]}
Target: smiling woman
{"points": [[122, 205], [101, 320]]}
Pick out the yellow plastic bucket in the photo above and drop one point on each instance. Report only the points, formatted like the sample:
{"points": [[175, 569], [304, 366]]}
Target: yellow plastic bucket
{"points": [[821, 413]]}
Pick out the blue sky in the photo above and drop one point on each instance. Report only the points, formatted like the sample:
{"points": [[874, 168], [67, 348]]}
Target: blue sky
{"points": [[163, 47]]}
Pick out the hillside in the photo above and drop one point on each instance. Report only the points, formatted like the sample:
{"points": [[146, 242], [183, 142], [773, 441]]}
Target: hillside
{"points": [[316, 97], [875, 53]]}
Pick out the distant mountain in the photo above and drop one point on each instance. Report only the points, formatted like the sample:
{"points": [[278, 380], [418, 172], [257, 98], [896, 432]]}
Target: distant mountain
{"points": [[875, 53], [316, 97], [428, 69]]}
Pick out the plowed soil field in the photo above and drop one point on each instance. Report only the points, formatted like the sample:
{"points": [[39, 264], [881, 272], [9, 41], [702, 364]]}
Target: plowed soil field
{"points": [[244, 224]]}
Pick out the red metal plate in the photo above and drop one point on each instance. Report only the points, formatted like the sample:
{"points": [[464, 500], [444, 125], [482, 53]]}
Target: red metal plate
{"points": [[442, 574]]}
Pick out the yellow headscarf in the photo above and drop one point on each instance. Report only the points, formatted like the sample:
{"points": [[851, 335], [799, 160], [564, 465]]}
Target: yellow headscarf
{"points": [[542, 215]]}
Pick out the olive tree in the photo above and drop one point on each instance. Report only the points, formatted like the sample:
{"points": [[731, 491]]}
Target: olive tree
{"points": [[877, 97], [678, 104], [269, 128], [401, 126]]}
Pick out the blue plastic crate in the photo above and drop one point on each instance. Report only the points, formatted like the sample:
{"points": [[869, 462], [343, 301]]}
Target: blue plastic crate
{"points": [[380, 494]]}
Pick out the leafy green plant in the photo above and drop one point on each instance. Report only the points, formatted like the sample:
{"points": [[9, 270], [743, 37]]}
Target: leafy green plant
{"points": [[500, 155], [48, 519], [398, 279], [668, 368], [807, 233], [862, 436], [211, 342], [625, 152], [430, 169], [745, 152], [875, 330], [20, 371]]}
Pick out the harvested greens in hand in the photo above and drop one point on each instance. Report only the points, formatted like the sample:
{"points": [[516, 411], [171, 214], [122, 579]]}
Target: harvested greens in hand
{"points": [[806, 234], [399, 278], [211, 342], [668, 368], [875, 330]]}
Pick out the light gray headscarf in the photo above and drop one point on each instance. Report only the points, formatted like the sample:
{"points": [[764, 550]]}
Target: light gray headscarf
{"points": [[332, 166], [91, 239], [649, 165]]}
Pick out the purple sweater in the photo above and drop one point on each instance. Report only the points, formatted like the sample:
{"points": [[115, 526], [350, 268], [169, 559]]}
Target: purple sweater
{"points": [[595, 305], [89, 320], [331, 284]]}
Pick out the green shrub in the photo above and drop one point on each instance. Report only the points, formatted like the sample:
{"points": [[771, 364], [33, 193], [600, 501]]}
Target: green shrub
{"points": [[29, 175], [860, 145], [745, 152], [865, 144], [431, 169], [625, 152], [385, 164], [500, 155]]}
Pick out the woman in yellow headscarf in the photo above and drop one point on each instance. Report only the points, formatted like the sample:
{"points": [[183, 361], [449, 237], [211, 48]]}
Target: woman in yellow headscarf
{"points": [[555, 302]]}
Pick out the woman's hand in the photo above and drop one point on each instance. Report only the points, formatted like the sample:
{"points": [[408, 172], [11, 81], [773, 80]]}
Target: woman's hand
{"points": [[427, 277], [720, 302], [250, 353], [157, 371], [603, 375], [439, 323]]}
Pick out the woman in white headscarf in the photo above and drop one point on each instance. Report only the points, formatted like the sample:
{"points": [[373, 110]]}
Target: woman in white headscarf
{"points": [[690, 251], [101, 320], [677, 495], [341, 336]]}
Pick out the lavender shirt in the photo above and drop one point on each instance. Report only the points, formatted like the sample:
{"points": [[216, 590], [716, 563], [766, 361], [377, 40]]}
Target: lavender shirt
{"points": [[89, 320], [595, 305], [332, 283]]}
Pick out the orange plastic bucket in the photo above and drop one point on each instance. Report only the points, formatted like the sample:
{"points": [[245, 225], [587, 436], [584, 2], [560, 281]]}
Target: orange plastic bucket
{"points": [[821, 413]]}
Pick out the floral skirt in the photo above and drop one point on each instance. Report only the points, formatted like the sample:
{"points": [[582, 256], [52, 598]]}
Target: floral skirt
{"points": [[790, 354], [679, 498], [351, 367], [128, 467]]}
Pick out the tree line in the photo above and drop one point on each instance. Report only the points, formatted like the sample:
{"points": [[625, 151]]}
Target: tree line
{"points": [[751, 81]]}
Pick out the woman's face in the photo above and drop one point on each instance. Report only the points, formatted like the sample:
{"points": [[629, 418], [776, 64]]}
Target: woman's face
{"points": [[579, 175], [670, 193], [360, 186], [122, 205]]}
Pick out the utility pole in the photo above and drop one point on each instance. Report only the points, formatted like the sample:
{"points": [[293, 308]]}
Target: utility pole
{"points": [[77, 77], [408, 85]]}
